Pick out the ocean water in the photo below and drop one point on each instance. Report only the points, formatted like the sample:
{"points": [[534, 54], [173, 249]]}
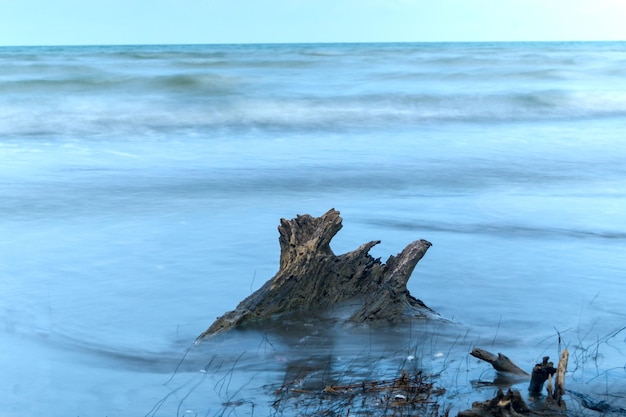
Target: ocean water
{"points": [[141, 188]]}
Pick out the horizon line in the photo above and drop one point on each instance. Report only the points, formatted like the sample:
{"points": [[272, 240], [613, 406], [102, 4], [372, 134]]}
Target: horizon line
{"points": [[300, 43]]}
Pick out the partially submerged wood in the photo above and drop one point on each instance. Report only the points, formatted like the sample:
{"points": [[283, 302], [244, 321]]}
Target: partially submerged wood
{"points": [[500, 362], [312, 278], [542, 372], [512, 404], [559, 385]]}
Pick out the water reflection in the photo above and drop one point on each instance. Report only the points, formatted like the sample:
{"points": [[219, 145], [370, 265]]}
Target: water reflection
{"points": [[284, 366], [297, 365], [289, 363]]}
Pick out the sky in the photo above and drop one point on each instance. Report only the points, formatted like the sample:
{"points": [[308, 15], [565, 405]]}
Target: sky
{"points": [[103, 22]]}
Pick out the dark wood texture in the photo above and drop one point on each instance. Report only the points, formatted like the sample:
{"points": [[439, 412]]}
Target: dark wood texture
{"points": [[312, 278], [499, 362]]}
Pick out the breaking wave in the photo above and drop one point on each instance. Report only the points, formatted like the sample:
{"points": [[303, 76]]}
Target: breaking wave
{"points": [[116, 90]]}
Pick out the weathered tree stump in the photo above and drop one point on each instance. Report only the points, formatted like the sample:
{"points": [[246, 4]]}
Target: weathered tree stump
{"points": [[312, 278], [541, 373]]}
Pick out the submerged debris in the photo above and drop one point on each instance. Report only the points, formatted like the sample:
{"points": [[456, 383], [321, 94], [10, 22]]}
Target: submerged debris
{"points": [[407, 395], [510, 404]]}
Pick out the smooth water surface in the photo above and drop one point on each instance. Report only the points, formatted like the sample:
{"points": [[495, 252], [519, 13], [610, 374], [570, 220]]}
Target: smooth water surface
{"points": [[141, 187]]}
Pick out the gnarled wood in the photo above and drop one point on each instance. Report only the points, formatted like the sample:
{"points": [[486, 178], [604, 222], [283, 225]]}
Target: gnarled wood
{"points": [[499, 362], [512, 404], [559, 389], [312, 277], [541, 373]]}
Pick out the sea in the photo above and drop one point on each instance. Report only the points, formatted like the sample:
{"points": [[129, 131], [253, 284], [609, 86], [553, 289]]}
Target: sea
{"points": [[141, 188]]}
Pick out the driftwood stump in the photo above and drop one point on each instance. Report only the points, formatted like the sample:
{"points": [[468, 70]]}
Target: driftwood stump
{"points": [[312, 278]]}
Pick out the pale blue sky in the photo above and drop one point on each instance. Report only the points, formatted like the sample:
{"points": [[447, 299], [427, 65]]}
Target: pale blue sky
{"points": [[63, 22]]}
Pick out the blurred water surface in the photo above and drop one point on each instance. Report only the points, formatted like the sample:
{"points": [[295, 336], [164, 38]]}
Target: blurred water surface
{"points": [[141, 187]]}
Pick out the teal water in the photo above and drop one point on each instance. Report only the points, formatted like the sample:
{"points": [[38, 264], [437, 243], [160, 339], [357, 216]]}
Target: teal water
{"points": [[141, 187]]}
